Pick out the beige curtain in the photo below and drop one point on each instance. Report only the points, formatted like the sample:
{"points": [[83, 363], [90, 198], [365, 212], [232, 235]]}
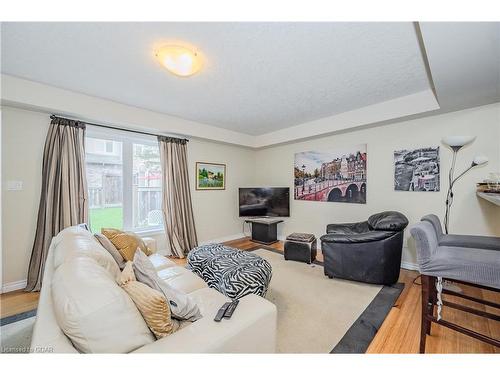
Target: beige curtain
{"points": [[63, 200], [178, 215]]}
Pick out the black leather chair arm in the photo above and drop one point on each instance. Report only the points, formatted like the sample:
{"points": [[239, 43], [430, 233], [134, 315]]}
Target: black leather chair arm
{"points": [[374, 235], [346, 228]]}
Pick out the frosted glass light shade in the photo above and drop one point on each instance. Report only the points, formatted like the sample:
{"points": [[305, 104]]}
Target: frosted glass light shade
{"points": [[480, 160], [458, 141], [179, 60]]}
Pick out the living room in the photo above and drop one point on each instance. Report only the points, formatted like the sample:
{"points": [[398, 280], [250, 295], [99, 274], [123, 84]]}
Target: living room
{"points": [[224, 182]]}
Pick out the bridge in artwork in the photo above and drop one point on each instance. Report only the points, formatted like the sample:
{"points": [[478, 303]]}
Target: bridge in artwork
{"points": [[332, 191]]}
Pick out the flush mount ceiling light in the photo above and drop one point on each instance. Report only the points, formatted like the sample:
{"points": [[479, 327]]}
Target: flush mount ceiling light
{"points": [[179, 60]]}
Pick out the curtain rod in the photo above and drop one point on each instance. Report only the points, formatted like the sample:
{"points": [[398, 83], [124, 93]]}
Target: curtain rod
{"points": [[118, 128]]}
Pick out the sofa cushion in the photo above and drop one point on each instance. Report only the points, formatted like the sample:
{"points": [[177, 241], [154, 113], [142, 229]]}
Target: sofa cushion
{"points": [[111, 249], [94, 312], [182, 279], [151, 303], [74, 242], [181, 305], [252, 328], [160, 262], [388, 220], [126, 242]]}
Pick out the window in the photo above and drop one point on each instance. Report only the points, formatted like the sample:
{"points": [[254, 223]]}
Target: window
{"points": [[147, 186], [96, 146], [124, 180], [109, 147]]}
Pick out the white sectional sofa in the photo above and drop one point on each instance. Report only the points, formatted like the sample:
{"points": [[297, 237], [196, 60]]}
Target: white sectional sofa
{"points": [[85, 282]]}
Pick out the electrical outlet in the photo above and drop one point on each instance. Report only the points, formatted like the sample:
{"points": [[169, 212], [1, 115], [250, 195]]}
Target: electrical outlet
{"points": [[14, 185]]}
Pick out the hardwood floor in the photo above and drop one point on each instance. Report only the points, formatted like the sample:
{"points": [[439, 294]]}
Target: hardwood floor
{"points": [[16, 302], [400, 332]]}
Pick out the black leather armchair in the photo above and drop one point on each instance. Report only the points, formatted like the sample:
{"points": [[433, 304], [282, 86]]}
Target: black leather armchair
{"points": [[368, 251]]}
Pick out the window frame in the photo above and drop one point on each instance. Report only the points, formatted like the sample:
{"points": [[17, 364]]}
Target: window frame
{"points": [[128, 140]]}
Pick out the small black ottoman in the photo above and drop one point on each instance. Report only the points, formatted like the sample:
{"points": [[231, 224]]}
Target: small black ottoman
{"points": [[300, 247]]}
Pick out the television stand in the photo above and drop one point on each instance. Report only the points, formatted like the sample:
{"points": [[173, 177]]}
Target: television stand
{"points": [[264, 230]]}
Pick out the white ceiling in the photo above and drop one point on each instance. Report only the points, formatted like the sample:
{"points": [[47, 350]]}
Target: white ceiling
{"points": [[464, 58], [259, 77], [275, 82]]}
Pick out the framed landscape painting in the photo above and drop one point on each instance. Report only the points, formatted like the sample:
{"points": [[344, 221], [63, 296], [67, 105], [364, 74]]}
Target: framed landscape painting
{"points": [[331, 176], [210, 176]]}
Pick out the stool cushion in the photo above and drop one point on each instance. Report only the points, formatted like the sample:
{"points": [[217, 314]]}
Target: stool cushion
{"points": [[232, 272], [301, 237], [460, 263]]}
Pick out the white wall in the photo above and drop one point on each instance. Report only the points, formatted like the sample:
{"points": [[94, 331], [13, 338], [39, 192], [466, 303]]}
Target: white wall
{"points": [[23, 136], [216, 215], [274, 167], [216, 211]]}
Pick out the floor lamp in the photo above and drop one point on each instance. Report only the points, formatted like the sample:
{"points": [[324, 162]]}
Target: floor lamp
{"points": [[456, 142]]}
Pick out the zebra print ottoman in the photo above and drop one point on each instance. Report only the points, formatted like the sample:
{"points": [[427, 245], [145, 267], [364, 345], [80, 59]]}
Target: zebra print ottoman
{"points": [[232, 272]]}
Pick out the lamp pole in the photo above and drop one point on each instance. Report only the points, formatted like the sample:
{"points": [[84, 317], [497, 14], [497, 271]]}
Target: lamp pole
{"points": [[478, 160], [449, 194]]}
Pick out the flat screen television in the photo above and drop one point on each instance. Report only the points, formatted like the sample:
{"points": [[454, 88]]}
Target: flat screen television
{"points": [[264, 202]]}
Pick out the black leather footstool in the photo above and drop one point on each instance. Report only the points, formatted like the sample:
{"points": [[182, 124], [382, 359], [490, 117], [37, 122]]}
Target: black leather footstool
{"points": [[300, 247]]}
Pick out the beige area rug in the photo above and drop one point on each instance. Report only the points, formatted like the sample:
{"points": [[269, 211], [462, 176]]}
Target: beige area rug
{"points": [[314, 312]]}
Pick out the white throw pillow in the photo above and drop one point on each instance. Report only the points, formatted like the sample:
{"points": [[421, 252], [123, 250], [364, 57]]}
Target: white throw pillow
{"points": [[94, 312], [182, 306]]}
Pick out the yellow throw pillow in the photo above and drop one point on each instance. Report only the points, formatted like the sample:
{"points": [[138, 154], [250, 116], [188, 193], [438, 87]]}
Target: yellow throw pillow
{"points": [[126, 242], [153, 307]]}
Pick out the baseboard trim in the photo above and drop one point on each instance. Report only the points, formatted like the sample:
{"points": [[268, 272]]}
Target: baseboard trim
{"points": [[15, 285], [224, 239], [409, 266]]}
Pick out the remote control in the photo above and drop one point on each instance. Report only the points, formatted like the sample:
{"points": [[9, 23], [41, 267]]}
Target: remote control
{"points": [[221, 312], [231, 308]]}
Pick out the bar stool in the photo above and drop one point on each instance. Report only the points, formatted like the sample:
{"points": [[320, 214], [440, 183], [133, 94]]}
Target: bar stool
{"points": [[477, 267]]}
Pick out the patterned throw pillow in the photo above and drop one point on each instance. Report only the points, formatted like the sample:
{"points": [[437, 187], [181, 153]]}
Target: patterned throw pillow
{"points": [[126, 242], [152, 304]]}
